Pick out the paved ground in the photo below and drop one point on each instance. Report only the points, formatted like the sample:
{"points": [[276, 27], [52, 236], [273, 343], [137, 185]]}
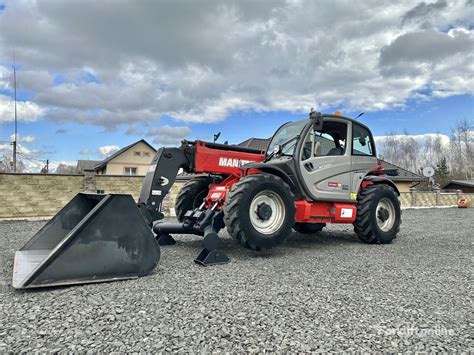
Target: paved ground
{"points": [[319, 293]]}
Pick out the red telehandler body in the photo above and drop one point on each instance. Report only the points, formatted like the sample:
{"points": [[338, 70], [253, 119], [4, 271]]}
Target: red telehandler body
{"points": [[315, 171]]}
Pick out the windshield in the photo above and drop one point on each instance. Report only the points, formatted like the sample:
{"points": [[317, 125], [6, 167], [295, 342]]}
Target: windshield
{"points": [[287, 132]]}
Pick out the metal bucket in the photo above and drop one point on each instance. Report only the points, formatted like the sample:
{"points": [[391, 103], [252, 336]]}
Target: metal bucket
{"points": [[94, 238]]}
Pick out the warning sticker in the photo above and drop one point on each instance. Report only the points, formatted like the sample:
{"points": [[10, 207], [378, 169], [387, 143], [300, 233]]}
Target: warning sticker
{"points": [[156, 192], [346, 212], [353, 196], [334, 184]]}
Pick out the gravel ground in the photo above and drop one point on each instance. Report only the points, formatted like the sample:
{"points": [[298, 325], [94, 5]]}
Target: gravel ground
{"points": [[317, 293]]}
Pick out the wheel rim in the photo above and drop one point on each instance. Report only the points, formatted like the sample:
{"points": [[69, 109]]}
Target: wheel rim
{"points": [[267, 221], [385, 215]]}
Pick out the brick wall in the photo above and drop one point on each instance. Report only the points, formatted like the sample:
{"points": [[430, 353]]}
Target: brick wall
{"points": [[427, 199], [36, 195], [43, 195], [40, 195], [117, 184]]}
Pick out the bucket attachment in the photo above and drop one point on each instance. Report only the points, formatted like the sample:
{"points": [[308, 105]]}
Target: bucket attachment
{"points": [[94, 238]]}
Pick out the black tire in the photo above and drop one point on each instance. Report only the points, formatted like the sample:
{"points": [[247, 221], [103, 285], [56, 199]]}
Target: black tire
{"points": [[191, 195], [309, 228], [237, 210], [366, 226]]}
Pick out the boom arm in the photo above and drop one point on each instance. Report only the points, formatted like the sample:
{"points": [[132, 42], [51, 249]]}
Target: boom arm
{"points": [[193, 157], [161, 176]]}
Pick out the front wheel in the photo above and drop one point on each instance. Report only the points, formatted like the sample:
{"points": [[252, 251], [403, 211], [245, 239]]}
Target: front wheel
{"points": [[191, 195], [378, 215], [259, 211]]}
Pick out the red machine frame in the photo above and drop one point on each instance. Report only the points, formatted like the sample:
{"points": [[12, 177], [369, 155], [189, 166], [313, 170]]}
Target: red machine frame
{"points": [[227, 162]]}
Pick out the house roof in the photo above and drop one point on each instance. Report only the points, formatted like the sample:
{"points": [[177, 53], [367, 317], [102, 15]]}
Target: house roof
{"points": [[104, 162], [86, 165], [468, 183], [256, 143], [403, 174], [65, 169]]}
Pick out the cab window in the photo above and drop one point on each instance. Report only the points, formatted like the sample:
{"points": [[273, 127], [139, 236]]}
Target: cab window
{"points": [[362, 143], [329, 141]]}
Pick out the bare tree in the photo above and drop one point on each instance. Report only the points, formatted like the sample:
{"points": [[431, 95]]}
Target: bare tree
{"points": [[401, 150], [462, 150], [6, 165]]}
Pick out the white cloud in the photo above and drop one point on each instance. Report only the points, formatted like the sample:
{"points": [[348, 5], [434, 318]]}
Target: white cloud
{"points": [[6, 149], [85, 151], [168, 135], [23, 139], [26, 110], [107, 150], [5, 77], [27, 158], [234, 55]]}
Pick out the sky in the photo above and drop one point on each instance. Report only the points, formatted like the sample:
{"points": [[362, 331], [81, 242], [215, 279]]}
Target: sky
{"points": [[94, 76]]}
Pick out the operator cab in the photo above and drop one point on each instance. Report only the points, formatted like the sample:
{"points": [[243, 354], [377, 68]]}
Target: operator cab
{"points": [[322, 151], [330, 140]]}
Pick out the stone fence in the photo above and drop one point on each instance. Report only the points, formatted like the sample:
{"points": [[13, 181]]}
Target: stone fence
{"points": [[43, 195], [432, 198]]}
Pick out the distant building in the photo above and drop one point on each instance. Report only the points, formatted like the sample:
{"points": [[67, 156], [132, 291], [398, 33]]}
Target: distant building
{"points": [[134, 159], [86, 165], [256, 143], [65, 169], [404, 181], [466, 186]]}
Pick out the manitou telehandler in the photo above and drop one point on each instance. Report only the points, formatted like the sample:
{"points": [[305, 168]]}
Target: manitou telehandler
{"points": [[315, 171]]}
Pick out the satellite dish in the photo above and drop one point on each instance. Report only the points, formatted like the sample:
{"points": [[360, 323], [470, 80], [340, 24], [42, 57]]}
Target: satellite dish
{"points": [[428, 171]]}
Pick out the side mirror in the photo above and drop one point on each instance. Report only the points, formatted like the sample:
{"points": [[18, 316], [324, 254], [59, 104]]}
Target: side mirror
{"points": [[317, 117]]}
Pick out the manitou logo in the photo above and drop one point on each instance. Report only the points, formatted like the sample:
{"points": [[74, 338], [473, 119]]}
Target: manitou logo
{"points": [[235, 163]]}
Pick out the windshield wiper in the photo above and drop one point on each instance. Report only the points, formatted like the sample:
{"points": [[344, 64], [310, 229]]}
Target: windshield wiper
{"points": [[282, 146]]}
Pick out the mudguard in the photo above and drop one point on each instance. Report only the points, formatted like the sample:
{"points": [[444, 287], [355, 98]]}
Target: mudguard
{"points": [[382, 180]]}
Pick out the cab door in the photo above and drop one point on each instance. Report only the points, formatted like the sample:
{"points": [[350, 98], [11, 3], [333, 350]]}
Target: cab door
{"points": [[325, 161], [363, 155]]}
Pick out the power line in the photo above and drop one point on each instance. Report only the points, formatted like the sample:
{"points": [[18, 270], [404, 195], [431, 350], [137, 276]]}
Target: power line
{"points": [[16, 123]]}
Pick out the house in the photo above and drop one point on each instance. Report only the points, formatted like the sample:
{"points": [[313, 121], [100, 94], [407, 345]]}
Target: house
{"points": [[65, 169], [466, 186], [134, 159], [86, 165], [405, 180], [256, 143]]}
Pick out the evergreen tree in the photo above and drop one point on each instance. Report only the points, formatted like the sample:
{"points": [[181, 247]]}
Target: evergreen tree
{"points": [[441, 172]]}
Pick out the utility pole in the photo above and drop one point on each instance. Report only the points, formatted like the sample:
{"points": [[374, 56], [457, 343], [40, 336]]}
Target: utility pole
{"points": [[16, 124]]}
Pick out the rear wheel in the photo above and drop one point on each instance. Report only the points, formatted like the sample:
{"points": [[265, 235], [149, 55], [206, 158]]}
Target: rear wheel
{"points": [[191, 195], [259, 211], [309, 228], [378, 216]]}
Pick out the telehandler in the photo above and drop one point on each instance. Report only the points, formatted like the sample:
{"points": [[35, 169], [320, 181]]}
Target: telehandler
{"points": [[315, 171]]}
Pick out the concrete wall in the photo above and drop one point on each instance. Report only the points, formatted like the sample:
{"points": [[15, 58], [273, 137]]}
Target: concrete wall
{"points": [[40, 195], [427, 199], [36, 195], [43, 195], [128, 159], [403, 186]]}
